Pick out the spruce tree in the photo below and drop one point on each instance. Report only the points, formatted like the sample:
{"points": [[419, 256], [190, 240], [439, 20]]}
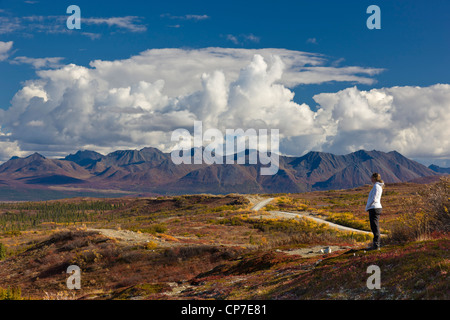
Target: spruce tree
{"points": [[2, 251]]}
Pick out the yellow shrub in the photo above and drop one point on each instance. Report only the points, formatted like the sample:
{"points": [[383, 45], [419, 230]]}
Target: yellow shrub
{"points": [[349, 220], [150, 245], [168, 237]]}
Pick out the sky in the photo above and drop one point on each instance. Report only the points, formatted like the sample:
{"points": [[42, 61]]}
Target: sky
{"points": [[138, 70]]}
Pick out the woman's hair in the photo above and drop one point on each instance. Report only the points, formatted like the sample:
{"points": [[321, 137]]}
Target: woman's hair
{"points": [[377, 177]]}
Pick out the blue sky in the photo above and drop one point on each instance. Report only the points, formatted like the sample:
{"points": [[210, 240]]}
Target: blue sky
{"points": [[411, 49]]}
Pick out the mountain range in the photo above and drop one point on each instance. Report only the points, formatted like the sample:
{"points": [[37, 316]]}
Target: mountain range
{"points": [[151, 171]]}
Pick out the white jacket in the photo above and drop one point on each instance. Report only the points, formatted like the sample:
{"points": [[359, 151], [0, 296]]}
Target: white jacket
{"points": [[374, 200]]}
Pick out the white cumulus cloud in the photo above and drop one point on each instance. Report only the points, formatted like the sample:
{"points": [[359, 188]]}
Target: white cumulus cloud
{"points": [[412, 120], [139, 101]]}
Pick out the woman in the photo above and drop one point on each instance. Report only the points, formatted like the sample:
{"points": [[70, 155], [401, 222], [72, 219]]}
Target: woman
{"points": [[374, 208]]}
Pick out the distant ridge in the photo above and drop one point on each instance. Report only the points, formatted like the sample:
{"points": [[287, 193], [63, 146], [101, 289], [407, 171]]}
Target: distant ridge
{"points": [[438, 169], [84, 157], [150, 170]]}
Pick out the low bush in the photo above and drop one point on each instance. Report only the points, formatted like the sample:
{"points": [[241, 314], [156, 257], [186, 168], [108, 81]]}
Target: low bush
{"points": [[424, 215]]}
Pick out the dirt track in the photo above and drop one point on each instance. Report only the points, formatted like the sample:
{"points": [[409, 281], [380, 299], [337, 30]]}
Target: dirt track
{"points": [[290, 215]]}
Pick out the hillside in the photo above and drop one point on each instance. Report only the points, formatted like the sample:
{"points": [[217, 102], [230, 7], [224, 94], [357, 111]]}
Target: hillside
{"points": [[151, 171], [217, 247], [415, 271]]}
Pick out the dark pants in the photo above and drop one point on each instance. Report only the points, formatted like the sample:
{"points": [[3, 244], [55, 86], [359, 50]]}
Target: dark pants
{"points": [[374, 218]]}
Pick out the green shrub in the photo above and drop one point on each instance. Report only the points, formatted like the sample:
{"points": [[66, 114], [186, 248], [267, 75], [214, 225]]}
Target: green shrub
{"points": [[152, 229]]}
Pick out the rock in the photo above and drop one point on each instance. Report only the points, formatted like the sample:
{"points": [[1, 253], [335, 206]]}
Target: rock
{"points": [[325, 250]]}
